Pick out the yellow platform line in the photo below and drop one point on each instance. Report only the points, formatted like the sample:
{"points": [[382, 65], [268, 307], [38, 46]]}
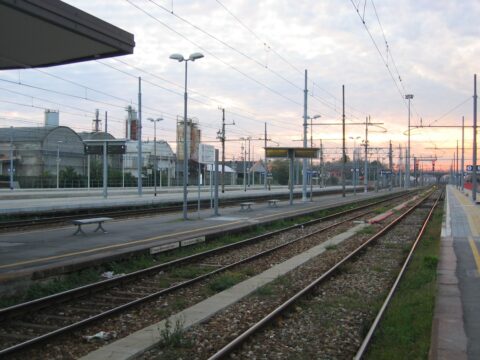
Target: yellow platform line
{"points": [[476, 256]]}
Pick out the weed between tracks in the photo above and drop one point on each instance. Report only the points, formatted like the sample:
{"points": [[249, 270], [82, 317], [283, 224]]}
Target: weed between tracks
{"points": [[367, 230], [405, 330]]}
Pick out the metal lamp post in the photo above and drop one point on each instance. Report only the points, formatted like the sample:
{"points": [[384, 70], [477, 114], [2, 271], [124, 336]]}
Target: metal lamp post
{"points": [[407, 160], [180, 58], [354, 163], [155, 152], [11, 158], [311, 160], [58, 161]]}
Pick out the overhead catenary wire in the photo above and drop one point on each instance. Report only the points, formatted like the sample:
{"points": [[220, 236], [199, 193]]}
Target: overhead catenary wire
{"points": [[279, 55], [385, 61], [265, 86], [192, 99]]}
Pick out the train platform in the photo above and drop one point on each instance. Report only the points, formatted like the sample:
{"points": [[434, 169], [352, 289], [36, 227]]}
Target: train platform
{"points": [[456, 325], [34, 254], [25, 202]]}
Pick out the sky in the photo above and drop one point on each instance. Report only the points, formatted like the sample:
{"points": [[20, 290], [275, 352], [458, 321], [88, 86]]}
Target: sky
{"points": [[255, 57]]}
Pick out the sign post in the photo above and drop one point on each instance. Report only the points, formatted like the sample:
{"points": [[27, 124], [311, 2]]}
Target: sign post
{"points": [[291, 154], [206, 155]]}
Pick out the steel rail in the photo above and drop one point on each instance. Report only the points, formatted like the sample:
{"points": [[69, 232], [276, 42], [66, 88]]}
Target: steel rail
{"points": [[100, 285], [235, 343], [35, 220], [28, 307], [366, 341]]}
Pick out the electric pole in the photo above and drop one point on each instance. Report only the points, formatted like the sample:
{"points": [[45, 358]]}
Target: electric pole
{"points": [[11, 158], [400, 165], [266, 167], [322, 168], [365, 176], [344, 156], [139, 135], [474, 170], [221, 136], [456, 169], [407, 160], [462, 164], [305, 116], [390, 164]]}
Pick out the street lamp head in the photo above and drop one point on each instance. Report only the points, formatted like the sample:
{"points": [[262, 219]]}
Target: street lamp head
{"points": [[409, 96], [177, 57], [195, 56]]}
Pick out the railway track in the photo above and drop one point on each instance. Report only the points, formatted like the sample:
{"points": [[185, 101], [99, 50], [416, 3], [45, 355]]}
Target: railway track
{"points": [[59, 219], [65, 216], [328, 316], [25, 325]]}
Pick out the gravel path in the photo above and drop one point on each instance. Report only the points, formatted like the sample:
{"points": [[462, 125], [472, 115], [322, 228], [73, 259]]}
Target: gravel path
{"points": [[329, 325]]}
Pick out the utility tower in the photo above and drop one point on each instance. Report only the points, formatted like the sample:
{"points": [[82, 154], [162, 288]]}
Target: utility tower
{"points": [[390, 164], [221, 136]]}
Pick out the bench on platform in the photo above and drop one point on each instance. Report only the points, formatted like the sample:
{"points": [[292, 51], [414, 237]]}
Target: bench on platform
{"points": [[273, 202], [246, 206], [99, 221]]}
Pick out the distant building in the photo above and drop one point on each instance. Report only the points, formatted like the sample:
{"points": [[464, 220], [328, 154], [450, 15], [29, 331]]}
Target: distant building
{"points": [[165, 158], [37, 149], [131, 124], [52, 118], [194, 138]]}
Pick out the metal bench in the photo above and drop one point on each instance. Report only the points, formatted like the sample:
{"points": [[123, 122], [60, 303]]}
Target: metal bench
{"points": [[273, 202], [99, 221], [246, 206]]}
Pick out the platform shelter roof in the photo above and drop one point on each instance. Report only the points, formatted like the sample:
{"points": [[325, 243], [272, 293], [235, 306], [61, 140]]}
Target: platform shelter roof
{"points": [[46, 33]]}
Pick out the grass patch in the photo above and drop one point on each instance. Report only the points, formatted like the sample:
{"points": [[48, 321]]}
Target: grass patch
{"points": [[172, 336], [52, 287], [188, 271], [225, 281], [381, 210], [265, 291], [367, 230], [405, 330], [331, 247], [136, 263]]}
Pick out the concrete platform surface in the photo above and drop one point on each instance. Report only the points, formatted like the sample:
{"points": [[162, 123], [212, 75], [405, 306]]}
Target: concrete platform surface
{"points": [[456, 324], [39, 201]]}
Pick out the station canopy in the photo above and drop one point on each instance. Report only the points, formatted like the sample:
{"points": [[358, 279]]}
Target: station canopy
{"points": [[51, 32], [296, 152]]}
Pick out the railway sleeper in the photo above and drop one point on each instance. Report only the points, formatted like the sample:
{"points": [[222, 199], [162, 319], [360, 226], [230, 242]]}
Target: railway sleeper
{"points": [[16, 336], [83, 310], [63, 318], [135, 293], [120, 299], [32, 325], [97, 304]]}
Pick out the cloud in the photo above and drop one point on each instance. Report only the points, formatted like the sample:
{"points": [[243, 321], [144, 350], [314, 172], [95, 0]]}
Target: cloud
{"points": [[258, 76]]}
